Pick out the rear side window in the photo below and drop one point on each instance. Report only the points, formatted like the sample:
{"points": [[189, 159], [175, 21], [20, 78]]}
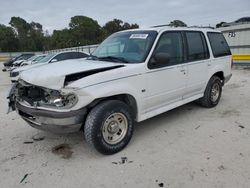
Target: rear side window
{"points": [[196, 46], [81, 55], [218, 44], [75, 55], [62, 56]]}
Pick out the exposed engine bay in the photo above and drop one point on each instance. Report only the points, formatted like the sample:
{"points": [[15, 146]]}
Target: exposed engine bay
{"points": [[36, 96]]}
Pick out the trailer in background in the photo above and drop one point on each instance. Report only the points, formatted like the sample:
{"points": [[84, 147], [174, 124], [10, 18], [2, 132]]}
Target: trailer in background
{"points": [[238, 38]]}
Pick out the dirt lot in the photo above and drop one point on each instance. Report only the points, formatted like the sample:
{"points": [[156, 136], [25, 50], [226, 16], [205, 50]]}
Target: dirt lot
{"points": [[187, 147]]}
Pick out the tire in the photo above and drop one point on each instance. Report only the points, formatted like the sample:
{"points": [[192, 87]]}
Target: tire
{"points": [[211, 97], [109, 126]]}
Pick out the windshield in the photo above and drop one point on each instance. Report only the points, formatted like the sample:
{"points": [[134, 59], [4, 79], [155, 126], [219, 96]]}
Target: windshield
{"points": [[38, 58], [46, 59], [32, 58], [128, 46]]}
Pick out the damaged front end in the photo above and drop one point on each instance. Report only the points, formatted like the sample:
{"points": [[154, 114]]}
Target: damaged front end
{"points": [[45, 108], [36, 96]]}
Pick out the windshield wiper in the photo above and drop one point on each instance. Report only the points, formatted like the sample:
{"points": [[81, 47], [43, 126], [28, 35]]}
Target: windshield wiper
{"points": [[114, 58]]}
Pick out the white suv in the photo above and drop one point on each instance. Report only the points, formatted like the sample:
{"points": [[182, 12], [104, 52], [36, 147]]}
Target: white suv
{"points": [[132, 76]]}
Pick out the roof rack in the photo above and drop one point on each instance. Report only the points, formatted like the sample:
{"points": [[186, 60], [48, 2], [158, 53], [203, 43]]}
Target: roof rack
{"points": [[161, 25], [196, 26]]}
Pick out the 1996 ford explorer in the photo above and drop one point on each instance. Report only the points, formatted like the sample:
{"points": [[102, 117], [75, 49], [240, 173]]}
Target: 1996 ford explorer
{"points": [[132, 76]]}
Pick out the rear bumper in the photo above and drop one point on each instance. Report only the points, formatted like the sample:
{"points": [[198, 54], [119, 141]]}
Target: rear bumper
{"points": [[57, 122]]}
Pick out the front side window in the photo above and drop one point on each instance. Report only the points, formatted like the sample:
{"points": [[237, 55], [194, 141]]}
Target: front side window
{"points": [[218, 44], [128, 46], [169, 50], [197, 48]]}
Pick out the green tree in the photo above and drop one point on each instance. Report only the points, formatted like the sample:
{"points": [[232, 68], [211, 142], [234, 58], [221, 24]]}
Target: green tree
{"points": [[8, 40], [177, 23], [37, 35], [84, 30], [60, 39], [24, 36], [220, 24], [117, 25], [30, 35], [22, 29]]}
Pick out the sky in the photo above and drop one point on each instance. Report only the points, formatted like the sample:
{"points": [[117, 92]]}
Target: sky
{"points": [[56, 14]]}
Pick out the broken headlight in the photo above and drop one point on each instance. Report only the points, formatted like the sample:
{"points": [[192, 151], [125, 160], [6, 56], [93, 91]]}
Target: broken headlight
{"points": [[62, 100], [44, 97]]}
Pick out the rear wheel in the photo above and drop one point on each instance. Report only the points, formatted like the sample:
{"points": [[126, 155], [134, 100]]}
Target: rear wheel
{"points": [[109, 126], [212, 93]]}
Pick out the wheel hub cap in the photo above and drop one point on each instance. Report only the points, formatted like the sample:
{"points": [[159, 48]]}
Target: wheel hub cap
{"points": [[115, 128], [215, 92]]}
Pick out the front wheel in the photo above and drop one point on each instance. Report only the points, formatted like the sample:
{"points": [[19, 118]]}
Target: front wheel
{"points": [[109, 126], [212, 93]]}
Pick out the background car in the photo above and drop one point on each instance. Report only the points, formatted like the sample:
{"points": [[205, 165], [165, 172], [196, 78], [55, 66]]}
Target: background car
{"points": [[33, 59], [20, 57], [51, 58]]}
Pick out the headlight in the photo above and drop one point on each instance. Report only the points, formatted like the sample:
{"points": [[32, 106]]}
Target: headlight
{"points": [[64, 101]]}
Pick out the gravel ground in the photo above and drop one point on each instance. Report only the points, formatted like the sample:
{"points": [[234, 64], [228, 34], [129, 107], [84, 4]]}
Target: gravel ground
{"points": [[186, 147]]}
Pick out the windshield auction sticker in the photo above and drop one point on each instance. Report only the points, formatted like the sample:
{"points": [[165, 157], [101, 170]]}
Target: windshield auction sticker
{"points": [[138, 36]]}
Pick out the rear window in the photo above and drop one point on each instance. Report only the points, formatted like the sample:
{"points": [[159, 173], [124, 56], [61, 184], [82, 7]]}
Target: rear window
{"points": [[197, 47], [218, 44]]}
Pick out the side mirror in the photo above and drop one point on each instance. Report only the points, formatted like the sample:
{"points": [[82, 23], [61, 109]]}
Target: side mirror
{"points": [[53, 60], [162, 58], [159, 59]]}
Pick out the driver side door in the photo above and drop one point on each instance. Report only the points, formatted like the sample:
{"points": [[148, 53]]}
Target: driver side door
{"points": [[167, 74]]}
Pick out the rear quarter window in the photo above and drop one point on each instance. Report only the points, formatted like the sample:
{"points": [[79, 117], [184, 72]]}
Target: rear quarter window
{"points": [[218, 44]]}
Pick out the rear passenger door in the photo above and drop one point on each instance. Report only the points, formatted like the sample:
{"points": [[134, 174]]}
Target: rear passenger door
{"points": [[166, 78], [197, 61]]}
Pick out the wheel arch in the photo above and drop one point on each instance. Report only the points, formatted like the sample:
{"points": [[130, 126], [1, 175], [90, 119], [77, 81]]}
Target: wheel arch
{"points": [[126, 98], [219, 74]]}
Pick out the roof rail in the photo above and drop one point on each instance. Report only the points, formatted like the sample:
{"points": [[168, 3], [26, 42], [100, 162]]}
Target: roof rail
{"points": [[161, 25], [196, 26]]}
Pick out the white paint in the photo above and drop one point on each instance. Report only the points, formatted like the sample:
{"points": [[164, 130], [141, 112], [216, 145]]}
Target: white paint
{"points": [[165, 88]]}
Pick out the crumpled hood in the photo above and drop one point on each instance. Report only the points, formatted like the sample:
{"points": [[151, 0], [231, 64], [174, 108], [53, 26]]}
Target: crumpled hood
{"points": [[53, 75]]}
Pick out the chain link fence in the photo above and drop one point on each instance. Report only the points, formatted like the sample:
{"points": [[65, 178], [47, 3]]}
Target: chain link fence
{"points": [[87, 49]]}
